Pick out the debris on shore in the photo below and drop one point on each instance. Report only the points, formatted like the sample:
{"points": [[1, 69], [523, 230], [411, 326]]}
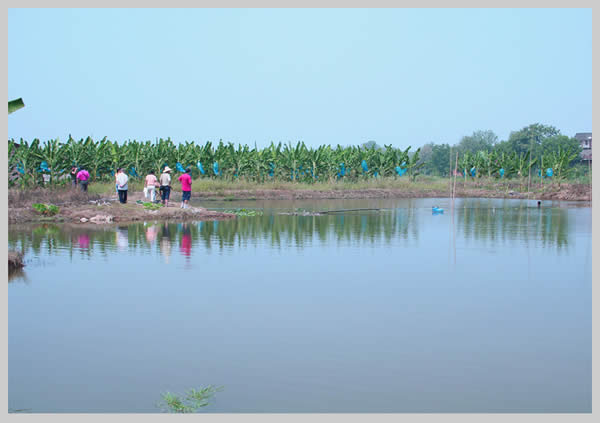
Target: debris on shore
{"points": [[15, 261]]}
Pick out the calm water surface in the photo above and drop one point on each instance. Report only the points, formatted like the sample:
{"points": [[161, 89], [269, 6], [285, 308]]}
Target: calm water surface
{"points": [[483, 309]]}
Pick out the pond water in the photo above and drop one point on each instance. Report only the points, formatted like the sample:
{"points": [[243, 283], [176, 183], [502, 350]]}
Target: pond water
{"points": [[484, 308]]}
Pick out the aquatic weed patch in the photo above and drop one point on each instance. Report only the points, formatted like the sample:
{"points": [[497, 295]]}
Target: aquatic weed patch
{"points": [[190, 402], [244, 212]]}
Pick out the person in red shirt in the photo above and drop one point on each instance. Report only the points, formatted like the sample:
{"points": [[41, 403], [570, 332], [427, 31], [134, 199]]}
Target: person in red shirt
{"points": [[83, 176], [186, 187]]}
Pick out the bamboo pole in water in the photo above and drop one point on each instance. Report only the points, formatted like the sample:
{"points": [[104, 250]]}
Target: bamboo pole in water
{"points": [[455, 168], [450, 170], [345, 210], [530, 154]]}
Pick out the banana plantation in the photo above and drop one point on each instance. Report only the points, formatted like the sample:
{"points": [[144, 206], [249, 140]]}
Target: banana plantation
{"points": [[557, 164], [226, 161], [28, 162]]}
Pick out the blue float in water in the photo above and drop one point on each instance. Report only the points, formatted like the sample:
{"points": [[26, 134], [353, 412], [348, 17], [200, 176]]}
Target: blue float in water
{"points": [[436, 210]]}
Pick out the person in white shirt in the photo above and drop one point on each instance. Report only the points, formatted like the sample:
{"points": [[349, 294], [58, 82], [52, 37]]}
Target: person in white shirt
{"points": [[151, 182], [165, 185], [122, 179]]}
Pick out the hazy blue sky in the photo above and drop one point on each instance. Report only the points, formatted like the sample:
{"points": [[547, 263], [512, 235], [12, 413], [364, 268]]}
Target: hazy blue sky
{"points": [[399, 76]]}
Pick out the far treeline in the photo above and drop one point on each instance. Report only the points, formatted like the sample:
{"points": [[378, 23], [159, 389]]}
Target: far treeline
{"points": [[536, 147], [540, 146]]}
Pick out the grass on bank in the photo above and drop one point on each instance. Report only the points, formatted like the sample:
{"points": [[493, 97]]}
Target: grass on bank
{"points": [[63, 195], [424, 183], [219, 186]]}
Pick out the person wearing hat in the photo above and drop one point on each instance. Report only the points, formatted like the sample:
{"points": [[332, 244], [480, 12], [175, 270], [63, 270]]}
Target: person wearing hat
{"points": [[122, 180], [165, 185], [186, 187]]}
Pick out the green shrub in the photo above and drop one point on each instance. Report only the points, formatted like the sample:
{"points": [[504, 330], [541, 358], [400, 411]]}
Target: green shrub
{"points": [[45, 209]]}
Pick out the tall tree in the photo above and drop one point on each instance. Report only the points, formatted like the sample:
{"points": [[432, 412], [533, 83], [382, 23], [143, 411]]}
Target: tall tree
{"points": [[530, 138], [478, 141]]}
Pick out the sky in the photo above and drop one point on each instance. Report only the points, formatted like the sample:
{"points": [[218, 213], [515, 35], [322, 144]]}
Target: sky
{"points": [[404, 77]]}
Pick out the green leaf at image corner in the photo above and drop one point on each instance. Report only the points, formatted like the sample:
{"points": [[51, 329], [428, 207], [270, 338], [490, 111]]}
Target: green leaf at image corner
{"points": [[15, 105]]}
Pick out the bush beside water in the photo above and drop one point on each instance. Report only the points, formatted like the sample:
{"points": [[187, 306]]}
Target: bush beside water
{"points": [[45, 209]]}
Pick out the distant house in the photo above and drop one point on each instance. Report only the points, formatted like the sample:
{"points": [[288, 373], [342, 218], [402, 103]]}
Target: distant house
{"points": [[585, 140]]}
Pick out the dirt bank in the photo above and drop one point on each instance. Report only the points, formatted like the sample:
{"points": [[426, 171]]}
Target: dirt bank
{"points": [[570, 192], [109, 210]]}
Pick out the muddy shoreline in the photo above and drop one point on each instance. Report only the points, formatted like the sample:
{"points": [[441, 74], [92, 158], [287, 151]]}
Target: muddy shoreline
{"points": [[109, 210]]}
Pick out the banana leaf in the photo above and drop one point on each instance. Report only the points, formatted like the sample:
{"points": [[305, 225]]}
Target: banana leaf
{"points": [[15, 105]]}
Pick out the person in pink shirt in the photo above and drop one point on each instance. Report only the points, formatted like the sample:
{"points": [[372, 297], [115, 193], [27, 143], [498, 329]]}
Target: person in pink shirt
{"points": [[186, 187], [151, 186], [83, 177]]}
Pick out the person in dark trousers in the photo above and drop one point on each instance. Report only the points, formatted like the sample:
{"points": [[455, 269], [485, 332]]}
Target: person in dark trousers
{"points": [[165, 185], [83, 176], [73, 176], [122, 179], [186, 187]]}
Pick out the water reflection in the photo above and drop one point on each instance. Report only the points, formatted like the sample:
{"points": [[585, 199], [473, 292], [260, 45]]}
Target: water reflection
{"points": [[484, 222], [475, 221]]}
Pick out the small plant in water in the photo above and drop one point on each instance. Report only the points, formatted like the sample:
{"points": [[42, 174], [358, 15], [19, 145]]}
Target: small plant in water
{"points": [[192, 401], [244, 212]]}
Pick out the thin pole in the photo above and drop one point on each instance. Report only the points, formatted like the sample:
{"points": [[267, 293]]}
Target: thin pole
{"points": [[530, 154], [455, 168], [450, 170], [346, 210]]}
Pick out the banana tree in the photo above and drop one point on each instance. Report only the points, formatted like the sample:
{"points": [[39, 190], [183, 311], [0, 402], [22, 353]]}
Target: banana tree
{"points": [[317, 159], [414, 165], [75, 153], [258, 163], [159, 155], [53, 153], [394, 159], [25, 159], [523, 164], [560, 163], [100, 162], [292, 158]]}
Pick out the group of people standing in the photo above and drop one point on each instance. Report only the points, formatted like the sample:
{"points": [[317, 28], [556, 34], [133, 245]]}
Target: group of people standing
{"points": [[151, 183]]}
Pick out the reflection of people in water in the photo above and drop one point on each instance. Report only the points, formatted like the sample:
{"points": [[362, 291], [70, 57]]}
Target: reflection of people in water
{"points": [[84, 241], [122, 238], [165, 242], [151, 232], [186, 240]]}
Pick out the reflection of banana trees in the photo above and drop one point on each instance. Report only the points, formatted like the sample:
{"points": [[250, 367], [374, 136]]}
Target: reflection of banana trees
{"points": [[479, 222], [510, 224]]}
